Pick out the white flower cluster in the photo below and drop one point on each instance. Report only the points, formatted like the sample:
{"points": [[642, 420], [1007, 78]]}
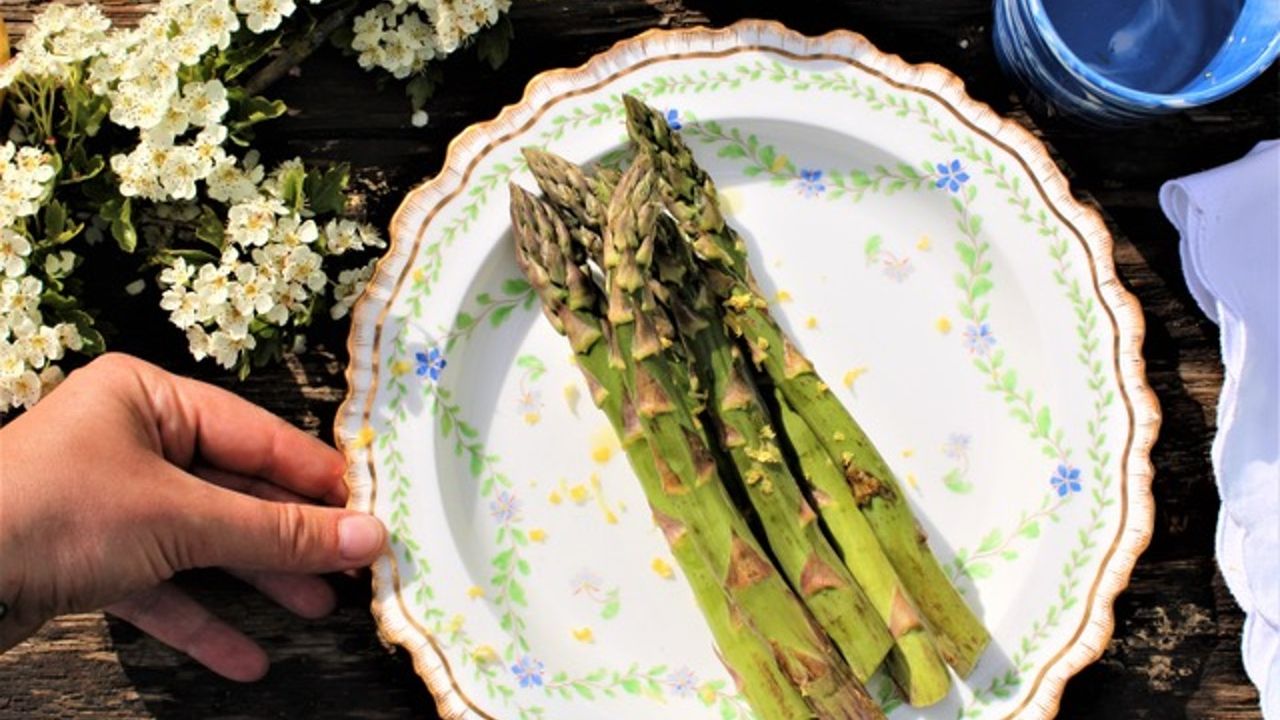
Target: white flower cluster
{"points": [[350, 285], [60, 37], [28, 347], [402, 36], [270, 271]]}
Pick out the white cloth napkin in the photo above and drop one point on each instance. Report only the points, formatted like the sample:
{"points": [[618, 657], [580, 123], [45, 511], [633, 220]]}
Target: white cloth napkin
{"points": [[1229, 218]]}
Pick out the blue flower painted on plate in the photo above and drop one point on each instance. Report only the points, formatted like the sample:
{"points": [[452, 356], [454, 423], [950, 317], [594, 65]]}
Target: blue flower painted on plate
{"points": [[1066, 479], [951, 176], [683, 682], [673, 119], [504, 507], [979, 339], [430, 364], [957, 446], [528, 671], [811, 184]]}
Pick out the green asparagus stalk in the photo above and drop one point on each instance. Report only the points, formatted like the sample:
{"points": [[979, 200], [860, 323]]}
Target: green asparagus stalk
{"points": [[797, 540], [689, 195], [687, 468], [913, 662], [570, 301]]}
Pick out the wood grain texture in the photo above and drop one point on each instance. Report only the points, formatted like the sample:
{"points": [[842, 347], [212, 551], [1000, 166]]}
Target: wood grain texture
{"points": [[1175, 653]]}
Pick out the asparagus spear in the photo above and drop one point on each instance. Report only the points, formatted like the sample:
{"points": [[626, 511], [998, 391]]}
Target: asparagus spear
{"points": [[687, 469], [748, 436], [689, 195], [570, 301], [913, 661]]}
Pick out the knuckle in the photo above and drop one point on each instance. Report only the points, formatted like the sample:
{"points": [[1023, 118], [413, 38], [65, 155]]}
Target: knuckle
{"points": [[297, 538]]}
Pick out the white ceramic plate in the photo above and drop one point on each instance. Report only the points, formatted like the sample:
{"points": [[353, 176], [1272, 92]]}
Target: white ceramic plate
{"points": [[927, 256]]}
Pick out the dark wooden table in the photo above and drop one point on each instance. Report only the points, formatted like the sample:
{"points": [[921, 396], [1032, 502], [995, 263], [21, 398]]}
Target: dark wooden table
{"points": [[1175, 653]]}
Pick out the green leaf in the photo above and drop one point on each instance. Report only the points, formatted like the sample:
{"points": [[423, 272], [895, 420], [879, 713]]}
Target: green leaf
{"points": [[122, 229], [955, 482], [326, 189], [732, 151], [966, 253], [767, 156], [210, 229], [981, 287], [872, 247], [292, 182], [1030, 531], [515, 286], [500, 315], [1042, 421], [247, 50], [978, 571], [533, 364], [990, 542], [463, 321], [1009, 381], [493, 44], [422, 86]]}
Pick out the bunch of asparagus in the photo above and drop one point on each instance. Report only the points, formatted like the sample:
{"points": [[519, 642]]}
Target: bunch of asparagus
{"points": [[792, 531]]}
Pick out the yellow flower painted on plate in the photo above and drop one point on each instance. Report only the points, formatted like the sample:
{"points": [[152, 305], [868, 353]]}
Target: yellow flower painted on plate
{"points": [[475, 592], [419, 275], [943, 325], [811, 323], [662, 568], [707, 694], [538, 535], [584, 635], [455, 623], [780, 163], [363, 439], [401, 367], [484, 654], [924, 244], [852, 375]]}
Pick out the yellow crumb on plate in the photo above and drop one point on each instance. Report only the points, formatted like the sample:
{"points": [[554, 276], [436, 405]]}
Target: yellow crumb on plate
{"points": [[475, 591], [943, 325], [924, 244], [811, 323], [579, 493], [662, 568], [782, 296], [571, 396], [853, 374], [908, 452], [537, 535], [584, 635], [603, 443], [913, 481], [554, 498]]}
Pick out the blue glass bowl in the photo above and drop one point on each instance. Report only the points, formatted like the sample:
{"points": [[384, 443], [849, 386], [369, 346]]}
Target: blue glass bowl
{"points": [[1079, 59]]}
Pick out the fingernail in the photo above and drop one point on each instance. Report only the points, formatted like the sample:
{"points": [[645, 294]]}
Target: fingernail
{"points": [[359, 536]]}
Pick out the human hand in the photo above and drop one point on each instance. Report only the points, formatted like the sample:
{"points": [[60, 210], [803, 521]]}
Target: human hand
{"points": [[126, 474]]}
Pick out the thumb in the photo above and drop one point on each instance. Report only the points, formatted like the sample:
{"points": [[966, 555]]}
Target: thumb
{"points": [[233, 529]]}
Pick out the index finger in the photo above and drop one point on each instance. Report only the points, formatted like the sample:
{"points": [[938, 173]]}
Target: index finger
{"points": [[233, 434]]}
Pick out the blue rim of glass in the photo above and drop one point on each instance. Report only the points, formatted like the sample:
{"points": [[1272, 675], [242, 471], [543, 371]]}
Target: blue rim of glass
{"points": [[1073, 63]]}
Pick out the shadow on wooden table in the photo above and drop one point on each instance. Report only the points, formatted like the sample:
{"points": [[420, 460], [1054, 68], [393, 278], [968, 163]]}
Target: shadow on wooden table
{"points": [[319, 669]]}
